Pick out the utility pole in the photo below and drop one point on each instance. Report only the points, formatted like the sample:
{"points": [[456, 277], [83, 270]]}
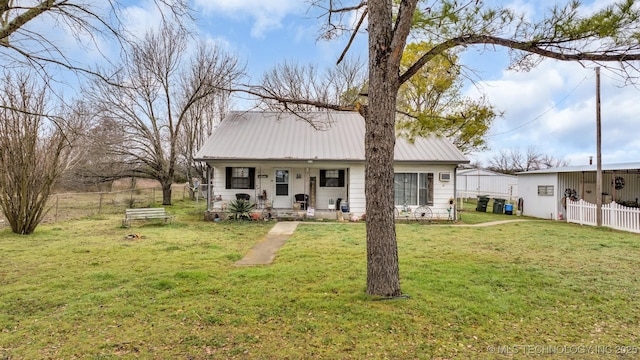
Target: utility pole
{"points": [[598, 153]]}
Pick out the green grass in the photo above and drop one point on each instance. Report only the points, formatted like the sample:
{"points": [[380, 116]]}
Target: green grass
{"points": [[468, 214], [81, 290]]}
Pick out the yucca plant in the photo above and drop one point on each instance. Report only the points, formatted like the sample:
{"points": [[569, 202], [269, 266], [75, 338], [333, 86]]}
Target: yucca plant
{"points": [[240, 209]]}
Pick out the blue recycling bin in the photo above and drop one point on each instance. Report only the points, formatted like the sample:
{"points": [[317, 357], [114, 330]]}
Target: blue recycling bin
{"points": [[508, 209]]}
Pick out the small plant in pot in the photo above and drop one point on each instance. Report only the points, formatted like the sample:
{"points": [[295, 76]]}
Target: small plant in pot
{"points": [[240, 209]]}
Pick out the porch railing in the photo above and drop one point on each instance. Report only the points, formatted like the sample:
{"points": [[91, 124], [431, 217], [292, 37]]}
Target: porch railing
{"points": [[614, 215]]}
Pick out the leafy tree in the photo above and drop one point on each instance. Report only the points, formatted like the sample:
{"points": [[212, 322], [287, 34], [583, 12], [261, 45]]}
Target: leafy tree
{"points": [[431, 102], [567, 32]]}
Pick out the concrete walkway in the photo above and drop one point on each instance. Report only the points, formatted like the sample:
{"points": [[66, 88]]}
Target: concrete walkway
{"points": [[265, 251], [492, 223]]}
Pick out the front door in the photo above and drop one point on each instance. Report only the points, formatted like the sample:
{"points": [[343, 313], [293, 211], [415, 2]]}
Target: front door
{"points": [[282, 198]]}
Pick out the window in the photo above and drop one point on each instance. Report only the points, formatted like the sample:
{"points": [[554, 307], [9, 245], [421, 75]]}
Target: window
{"points": [[413, 188], [331, 178], [240, 178], [282, 182], [545, 190]]}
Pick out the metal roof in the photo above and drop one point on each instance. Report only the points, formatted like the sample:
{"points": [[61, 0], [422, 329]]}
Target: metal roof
{"points": [[336, 136], [481, 172], [634, 166]]}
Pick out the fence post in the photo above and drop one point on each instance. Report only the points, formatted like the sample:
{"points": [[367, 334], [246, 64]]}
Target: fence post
{"points": [[612, 217], [100, 204], [56, 218]]}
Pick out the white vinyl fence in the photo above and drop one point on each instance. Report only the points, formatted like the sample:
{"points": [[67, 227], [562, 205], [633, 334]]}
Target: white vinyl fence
{"points": [[614, 215]]}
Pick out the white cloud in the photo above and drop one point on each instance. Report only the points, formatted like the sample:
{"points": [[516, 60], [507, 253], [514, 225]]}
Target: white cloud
{"points": [[139, 19], [267, 15], [553, 108]]}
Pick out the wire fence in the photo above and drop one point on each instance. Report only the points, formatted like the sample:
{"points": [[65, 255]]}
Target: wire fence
{"points": [[68, 206]]}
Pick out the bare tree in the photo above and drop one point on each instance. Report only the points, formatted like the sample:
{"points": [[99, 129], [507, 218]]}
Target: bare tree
{"points": [[502, 162], [567, 33], [293, 81], [348, 81], [547, 161], [200, 121], [159, 88], [22, 43], [310, 89], [27, 45], [34, 151], [514, 161], [97, 166]]}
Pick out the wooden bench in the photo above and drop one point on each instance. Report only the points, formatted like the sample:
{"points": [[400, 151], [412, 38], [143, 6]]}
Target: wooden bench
{"points": [[145, 214]]}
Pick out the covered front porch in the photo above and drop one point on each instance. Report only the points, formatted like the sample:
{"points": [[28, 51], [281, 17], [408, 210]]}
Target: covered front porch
{"points": [[295, 190]]}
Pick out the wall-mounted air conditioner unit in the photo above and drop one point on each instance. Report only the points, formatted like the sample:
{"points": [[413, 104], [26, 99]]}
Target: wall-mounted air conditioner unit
{"points": [[445, 176]]}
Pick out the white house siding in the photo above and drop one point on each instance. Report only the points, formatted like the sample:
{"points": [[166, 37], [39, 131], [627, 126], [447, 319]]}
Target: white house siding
{"points": [[535, 205], [353, 192], [265, 180], [443, 191], [357, 202]]}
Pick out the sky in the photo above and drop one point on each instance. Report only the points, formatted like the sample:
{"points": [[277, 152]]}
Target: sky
{"points": [[551, 108]]}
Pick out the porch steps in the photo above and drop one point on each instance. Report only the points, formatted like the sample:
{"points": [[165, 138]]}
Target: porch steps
{"points": [[291, 215]]}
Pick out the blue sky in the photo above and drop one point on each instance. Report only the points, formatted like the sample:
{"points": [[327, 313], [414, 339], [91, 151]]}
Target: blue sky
{"points": [[551, 107]]}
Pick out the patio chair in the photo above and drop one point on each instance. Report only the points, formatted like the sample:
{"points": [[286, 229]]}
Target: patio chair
{"points": [[303, 200]]}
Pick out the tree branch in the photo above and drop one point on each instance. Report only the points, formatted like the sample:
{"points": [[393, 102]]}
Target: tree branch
{"points": [[266, 94], [353, 36], [532, 47], [402, 28]]}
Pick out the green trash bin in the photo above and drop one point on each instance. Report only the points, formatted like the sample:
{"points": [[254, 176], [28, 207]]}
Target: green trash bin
{"points": [[498, 206], [482, 203]]}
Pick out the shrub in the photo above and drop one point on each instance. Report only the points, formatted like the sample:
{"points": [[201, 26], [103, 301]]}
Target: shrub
{"points": [[240, 209]]}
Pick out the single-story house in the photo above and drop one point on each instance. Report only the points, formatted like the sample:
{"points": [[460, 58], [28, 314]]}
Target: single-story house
{"points": [[471, 183], [278, 159], [544, 192]]}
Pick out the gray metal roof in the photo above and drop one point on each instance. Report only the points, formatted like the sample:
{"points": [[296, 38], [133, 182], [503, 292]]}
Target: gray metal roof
{"points": [[634, 166], [277, 136], [481, 172]]}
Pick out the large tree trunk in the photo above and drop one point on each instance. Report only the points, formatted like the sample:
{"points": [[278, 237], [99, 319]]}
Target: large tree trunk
{"points": [[383, 275], [166, 193]]}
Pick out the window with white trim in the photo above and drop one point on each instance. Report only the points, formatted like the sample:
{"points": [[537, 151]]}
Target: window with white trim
{"points": [[240, 178], [545, 190], [413, 188], [332, 178]]}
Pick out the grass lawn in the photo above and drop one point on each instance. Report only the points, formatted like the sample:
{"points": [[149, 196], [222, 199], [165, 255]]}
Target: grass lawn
{"points": [[79, 289]]}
